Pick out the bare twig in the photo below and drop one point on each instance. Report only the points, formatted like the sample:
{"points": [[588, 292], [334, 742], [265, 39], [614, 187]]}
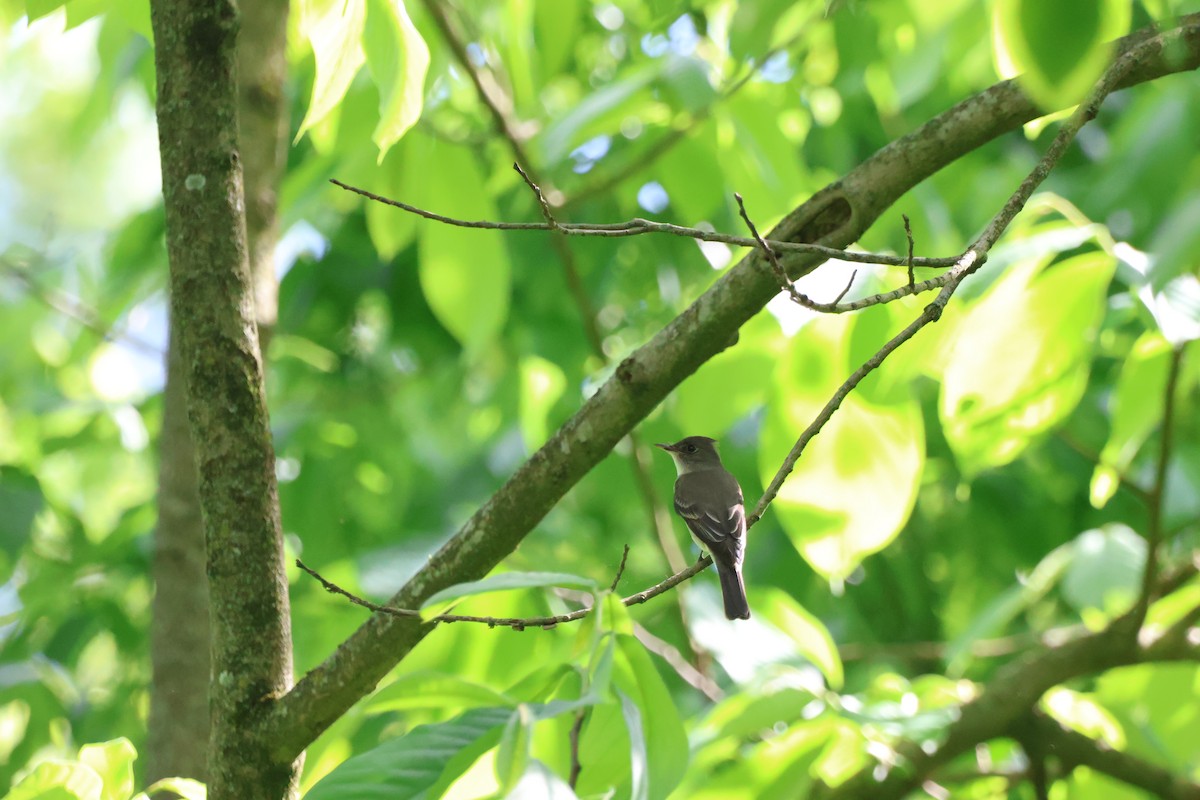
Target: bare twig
{"points": [[639, 226], [620, 569], [909, 235], [576, 767]]}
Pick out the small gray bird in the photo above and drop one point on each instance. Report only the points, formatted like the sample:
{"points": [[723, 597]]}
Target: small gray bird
{"points": [[709, 499]]}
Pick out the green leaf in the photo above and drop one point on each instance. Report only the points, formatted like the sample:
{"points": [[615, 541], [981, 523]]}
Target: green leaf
{"points": [[186, 788], [867, 449], [465, 274], [512, 758], [1136, 411], [665, 740], [556, 32], [810, 635], [638, 759], [1106, 572], [407, 766], [844, 755], [334, 29], [1020, 359], [1059, 48], [1005, 607], [1082, 713], [59, 780], [113, 762], [542, 384], [398, 59], [434, 690], [503, 582]]}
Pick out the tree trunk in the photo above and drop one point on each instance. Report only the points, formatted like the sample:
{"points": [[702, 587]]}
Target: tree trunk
{"points": [[179, 718], [177, 735], [212, 306]]}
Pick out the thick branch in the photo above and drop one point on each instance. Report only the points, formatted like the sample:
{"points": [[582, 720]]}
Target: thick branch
{"points": [[1074, 749], [834, 217]]}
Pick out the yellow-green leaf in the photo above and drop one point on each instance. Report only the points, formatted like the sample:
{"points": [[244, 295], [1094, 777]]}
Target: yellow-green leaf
{"points": [[334, 28], [398, 59]]}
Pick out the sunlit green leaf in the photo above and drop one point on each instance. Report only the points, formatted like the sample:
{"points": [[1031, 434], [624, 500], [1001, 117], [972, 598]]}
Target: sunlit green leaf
{"points": [[59, 780], [465, 274], [666, 742], [334, 28], [542, 384], [1136, 411], [398, 59], [1106, 571], [405, 767], [866, 450], [809, 634], [638, 760], [512, 758], [434, 690], [186, 788], [503, 582], [113, 762], [1059, 49], [1038, 324]]}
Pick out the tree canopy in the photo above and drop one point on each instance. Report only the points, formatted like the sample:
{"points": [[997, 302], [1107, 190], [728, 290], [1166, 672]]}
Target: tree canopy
{"points": [[971, 568]]}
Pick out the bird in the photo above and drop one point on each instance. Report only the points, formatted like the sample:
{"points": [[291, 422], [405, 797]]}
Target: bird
{"points": [[709, 499]]}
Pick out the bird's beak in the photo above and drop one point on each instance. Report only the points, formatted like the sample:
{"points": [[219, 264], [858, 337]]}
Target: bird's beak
{"points": [[670, 448]]}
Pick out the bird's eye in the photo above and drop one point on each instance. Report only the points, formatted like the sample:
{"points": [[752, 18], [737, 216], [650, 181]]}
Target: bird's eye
{"points": [[691, 448]]}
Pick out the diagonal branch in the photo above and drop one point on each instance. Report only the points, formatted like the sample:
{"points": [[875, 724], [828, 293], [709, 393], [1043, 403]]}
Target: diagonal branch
{"points": [[834, 217], [1074, 749]]}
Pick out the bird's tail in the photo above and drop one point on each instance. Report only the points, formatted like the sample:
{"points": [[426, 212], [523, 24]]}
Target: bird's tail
{"points": [[733, 591]]}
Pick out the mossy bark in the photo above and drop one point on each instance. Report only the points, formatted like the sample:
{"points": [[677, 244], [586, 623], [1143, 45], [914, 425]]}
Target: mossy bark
{"points": [[212, 307]]}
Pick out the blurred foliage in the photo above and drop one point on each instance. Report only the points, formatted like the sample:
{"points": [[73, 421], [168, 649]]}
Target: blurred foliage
{"points": [[988, 481]]}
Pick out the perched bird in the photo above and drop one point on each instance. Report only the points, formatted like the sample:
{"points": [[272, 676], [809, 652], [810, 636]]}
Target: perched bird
{"points": [[709, 499]]}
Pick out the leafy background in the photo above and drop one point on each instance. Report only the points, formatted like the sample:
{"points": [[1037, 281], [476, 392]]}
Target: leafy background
{"points": [[987, 482]]}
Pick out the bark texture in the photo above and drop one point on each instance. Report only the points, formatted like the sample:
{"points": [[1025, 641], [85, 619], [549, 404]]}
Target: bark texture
{"points": [[212, 307]]}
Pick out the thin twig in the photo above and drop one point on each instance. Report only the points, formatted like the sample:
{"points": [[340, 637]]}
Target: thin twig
{"points": [[576, 767], [639, 226], [620, 569], [909, 235], [1154, 522]]}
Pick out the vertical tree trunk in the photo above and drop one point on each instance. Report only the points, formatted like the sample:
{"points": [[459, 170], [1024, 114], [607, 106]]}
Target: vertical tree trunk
{"points": [[178, 727], [179, 718], [263, 121], [212, 306]]}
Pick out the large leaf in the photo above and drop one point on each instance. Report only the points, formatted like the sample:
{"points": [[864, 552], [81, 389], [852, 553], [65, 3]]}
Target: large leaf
{"points": [[398, 59], [1136, 411], [1060, 48], [465, 274], [59, 780], [407, 766], [1106, 572], [113, 762], [434, 690], [665, 741], [812, 638], [334, 28], [1020, 359], [503, 582], [867, 450]]}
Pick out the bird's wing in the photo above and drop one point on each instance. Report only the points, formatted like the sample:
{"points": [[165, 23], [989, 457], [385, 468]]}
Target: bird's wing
{"points": [[720, 526]]}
